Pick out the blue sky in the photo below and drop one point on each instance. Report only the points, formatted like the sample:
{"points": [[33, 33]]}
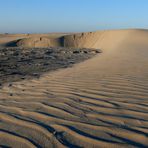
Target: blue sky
{"points": [[43, 16]]}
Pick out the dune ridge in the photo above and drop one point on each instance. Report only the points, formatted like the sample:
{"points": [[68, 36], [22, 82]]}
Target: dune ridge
{"points": [[101, 102]]}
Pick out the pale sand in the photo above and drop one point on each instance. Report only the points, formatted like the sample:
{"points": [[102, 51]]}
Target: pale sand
{"points": [[102, 102]]}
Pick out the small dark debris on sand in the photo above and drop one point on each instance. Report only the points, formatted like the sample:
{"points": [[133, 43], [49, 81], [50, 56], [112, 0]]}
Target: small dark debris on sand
{"points": [[24, 63]]}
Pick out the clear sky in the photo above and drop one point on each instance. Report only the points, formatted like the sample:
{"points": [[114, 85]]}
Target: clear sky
{"points": [[43, 16]]}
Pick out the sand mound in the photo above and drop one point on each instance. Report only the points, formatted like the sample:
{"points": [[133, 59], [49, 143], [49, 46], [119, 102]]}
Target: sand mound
{"points": [[102, 102], [100, 39], [39, 42], [11, 40]]}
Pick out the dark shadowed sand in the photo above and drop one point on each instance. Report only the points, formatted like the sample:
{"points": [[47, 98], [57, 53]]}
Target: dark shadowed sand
{"points": [[24, 63]]}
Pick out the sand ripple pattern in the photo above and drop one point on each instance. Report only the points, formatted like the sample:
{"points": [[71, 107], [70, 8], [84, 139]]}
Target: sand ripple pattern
{"points": [[69, 112]]}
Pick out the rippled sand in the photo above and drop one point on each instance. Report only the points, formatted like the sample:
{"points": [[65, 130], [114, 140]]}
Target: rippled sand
{"points": [[102, 102]]}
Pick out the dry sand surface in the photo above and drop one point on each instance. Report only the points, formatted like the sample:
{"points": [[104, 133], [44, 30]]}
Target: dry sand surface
{"points": [[101, 102]]}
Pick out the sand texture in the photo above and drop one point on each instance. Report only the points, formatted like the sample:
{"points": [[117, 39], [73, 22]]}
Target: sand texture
{"points": [[101, 102]]}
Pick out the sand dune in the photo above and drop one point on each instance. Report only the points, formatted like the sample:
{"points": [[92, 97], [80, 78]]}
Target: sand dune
{"points": [[30, 40], [39, 42], [101, 102]]}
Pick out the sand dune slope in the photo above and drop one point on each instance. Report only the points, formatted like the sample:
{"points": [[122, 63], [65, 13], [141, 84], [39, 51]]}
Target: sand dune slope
{"points": [[102, 102]]}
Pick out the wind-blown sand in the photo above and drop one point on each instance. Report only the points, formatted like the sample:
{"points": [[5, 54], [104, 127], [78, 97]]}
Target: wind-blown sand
{"points": [[101, 102]]}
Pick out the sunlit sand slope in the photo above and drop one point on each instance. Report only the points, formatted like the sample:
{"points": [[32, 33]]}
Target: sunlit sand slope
{"points": [[102, 102]]}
